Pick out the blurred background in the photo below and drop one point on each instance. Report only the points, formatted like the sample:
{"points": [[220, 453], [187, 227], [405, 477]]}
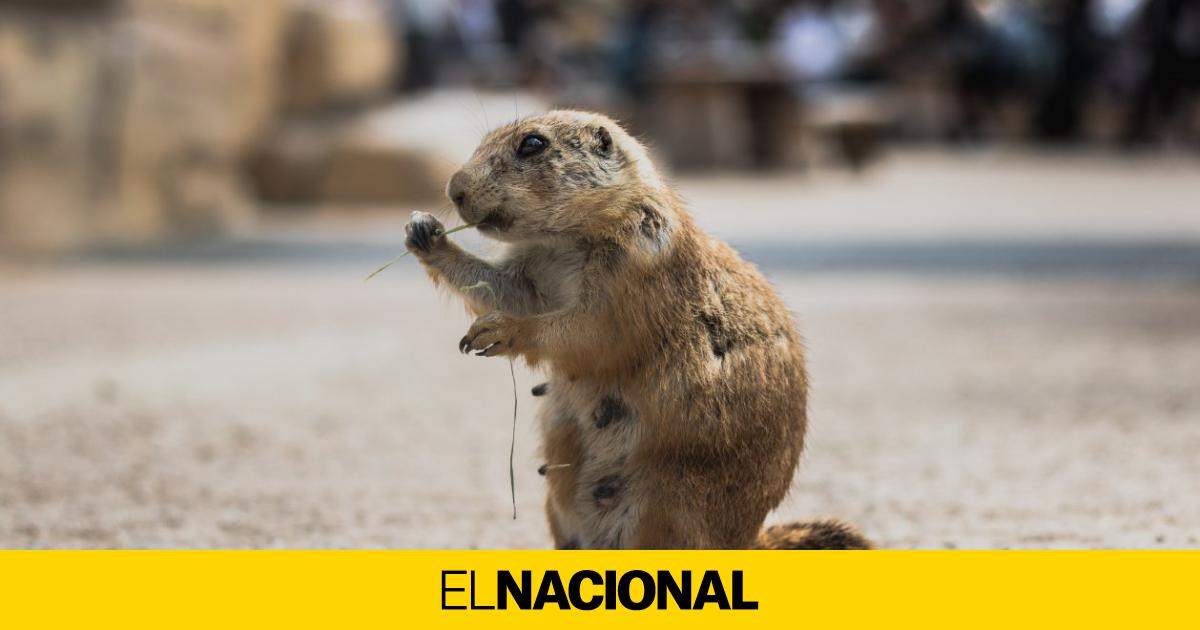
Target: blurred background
{"points": [[986, 215]]}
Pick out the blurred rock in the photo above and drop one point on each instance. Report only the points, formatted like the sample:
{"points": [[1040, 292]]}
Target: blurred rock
{"points": [[307, 163], [372, 169], [396, 154], [200, 94], [337, 54], [46, 171], [288, 166], [450, 123], [128, 120]]}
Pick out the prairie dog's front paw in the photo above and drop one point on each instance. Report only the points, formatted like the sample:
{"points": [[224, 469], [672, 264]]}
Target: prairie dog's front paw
{"points": [[491, 335], [423, 233]]}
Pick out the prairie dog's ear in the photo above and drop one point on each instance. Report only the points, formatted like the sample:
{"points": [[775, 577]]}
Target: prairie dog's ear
{"points": [[603, 145]]}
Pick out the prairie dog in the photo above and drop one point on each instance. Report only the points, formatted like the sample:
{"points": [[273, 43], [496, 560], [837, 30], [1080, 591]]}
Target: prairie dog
{"points": [[674, 414]]}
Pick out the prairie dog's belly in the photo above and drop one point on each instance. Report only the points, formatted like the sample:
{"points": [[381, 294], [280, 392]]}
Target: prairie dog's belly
{"points": [[589, 432]]}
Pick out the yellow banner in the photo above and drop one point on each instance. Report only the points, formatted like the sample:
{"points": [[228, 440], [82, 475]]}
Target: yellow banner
{"points": [[535, 589]]}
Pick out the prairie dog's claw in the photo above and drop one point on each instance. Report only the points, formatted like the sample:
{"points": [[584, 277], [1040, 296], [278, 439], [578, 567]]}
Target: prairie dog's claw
{"points": [[423, 233], [491, 335]]}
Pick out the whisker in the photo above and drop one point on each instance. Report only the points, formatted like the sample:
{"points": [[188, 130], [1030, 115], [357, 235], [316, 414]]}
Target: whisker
{"points": [[482, 109], [472, 114]]}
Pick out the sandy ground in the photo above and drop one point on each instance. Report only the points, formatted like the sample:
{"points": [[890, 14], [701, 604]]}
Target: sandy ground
{"points": [[254, 403]]}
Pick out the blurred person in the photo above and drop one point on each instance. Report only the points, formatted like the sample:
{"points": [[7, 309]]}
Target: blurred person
{"points": [[986, 53], [697, 74], [513, 18], [631, 59], [995, 54], [944, 44], [1112, 17], [475, 41], [478, 28], [828, 50], [426, 27], [758, 19], [688, 32], [518, 22], [658, 34], [1077, 53], [574, 54], [1163, 69], [818, 40]]}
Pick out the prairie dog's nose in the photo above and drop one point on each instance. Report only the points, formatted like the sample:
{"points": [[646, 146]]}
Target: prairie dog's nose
{"points": [[457, 189]]}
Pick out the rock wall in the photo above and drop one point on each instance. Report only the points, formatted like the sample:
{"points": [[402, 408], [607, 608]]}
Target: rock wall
{"points": [[127, 120], [132, 120], [337, 54]]}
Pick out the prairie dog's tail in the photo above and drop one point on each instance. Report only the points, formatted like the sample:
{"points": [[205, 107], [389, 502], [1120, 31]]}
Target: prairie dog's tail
{"points": [[812, 535]]}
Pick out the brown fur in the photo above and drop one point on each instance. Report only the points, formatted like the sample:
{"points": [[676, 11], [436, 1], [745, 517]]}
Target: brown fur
{"points": [[675, 412], [813, 535]]}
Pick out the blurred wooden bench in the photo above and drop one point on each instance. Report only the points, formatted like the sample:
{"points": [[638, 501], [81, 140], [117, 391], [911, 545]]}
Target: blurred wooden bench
{"points": [[743, 111]]}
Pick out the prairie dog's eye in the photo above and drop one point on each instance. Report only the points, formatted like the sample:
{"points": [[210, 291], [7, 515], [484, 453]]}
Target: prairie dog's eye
{"points": [[531, 145]]}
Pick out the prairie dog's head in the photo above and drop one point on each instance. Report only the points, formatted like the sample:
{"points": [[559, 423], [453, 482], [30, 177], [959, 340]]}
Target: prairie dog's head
{"points": [[560, 174]]}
